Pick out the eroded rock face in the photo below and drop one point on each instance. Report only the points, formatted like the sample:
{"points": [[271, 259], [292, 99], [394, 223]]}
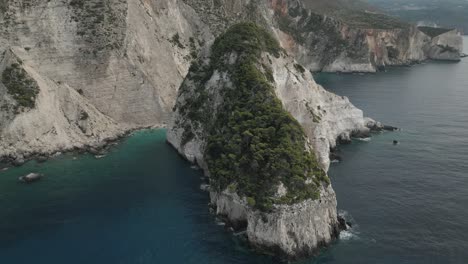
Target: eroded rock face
{"points": [[292, 232], [447, 46], [323, 115], [125, 59], [298, 230], [128, 58], [295, 230], [62, 119], [330, 44]]}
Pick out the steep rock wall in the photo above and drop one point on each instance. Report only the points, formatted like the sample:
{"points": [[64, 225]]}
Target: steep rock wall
{"points": [[61, 120], [125, 58], [120, 53], [128, 58], [294, 230], [447, 46], [324, 43]]}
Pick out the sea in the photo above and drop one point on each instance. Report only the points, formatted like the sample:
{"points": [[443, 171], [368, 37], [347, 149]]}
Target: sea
{"points": [[142, 203]]}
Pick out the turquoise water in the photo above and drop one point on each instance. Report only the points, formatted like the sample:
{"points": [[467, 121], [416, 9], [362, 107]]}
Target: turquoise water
{"points": [[142, 202]]}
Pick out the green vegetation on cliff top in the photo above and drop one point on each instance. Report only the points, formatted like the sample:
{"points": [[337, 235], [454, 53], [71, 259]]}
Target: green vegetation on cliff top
{"points": [[253, 144]]}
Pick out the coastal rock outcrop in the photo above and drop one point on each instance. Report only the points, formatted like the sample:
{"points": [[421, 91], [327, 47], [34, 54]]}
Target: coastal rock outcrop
{"points": [[446, 44], [239, 102]]}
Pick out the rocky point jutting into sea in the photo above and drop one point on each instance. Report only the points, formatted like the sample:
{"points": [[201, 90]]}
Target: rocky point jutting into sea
{"points": [[76, 74], [236, 118]]}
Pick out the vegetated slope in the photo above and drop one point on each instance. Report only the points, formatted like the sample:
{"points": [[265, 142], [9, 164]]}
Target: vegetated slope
{"points": [[259, 126], [253, 144], [355, 13]]}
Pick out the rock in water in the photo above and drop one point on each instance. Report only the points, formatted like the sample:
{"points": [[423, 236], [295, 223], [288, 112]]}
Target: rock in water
{"points": [[31, 177]]}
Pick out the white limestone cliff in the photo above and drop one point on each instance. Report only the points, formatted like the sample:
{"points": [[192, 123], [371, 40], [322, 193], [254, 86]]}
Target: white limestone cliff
{"points": [[292, 231], [61, 120], [128, 58]]}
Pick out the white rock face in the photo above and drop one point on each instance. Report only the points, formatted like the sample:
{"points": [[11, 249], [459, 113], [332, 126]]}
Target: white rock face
{"points": [[129, 62], [296, 230], [299, 229], [62, 120], [127, 68], [447, 46], [323, 115]]}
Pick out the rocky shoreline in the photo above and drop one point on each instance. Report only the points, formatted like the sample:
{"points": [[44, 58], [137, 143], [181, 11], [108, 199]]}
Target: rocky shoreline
{"points": [[97, 149]]}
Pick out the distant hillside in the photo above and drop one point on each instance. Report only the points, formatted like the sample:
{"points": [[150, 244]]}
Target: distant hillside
{"points": [[443, 13], [331, 6], [355, 12]]}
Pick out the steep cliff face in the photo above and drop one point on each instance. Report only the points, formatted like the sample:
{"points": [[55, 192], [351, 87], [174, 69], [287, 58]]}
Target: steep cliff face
{"points": [[128, 58], [445, 44], [356, 42], [219, 97], [54, 118], [122, 54]]}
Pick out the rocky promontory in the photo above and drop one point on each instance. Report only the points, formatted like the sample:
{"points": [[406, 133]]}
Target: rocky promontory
{"points": [[259, 126]]}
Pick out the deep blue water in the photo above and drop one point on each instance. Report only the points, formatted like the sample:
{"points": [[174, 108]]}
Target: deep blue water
{"points": [[142, 202]]}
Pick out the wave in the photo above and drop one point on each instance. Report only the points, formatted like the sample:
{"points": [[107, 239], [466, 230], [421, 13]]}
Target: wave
{"points": [[364, 139], [348, 235]]}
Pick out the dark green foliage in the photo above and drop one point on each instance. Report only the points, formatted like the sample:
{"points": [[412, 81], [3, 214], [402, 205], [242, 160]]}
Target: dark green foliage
{"points": [[433, 32], [176, 41], [253, 144], [314, 31], [84, 116], [299, 68], [393, 53], [193, 48], [247, 39], [369, 20], [100, 24], [20, 86]]}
